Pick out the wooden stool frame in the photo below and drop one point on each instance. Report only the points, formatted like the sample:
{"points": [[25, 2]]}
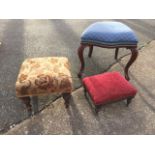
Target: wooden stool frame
{"points": [[133, 49]]}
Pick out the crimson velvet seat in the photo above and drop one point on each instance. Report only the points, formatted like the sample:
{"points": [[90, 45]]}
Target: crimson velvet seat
{"points": [[108, 87]]}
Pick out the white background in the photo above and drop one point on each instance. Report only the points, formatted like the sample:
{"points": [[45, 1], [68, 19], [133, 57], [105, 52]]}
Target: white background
{"points": [[82, 9], [77, 9]]}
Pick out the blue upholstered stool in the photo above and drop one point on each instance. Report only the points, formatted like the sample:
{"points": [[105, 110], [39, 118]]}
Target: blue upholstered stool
{"points": [[109, 35]]}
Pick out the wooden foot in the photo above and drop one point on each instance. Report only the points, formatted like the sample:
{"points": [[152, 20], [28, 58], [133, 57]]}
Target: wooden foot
{"points": [[134, 54], [129, 101], [26, 101], [116, 53], [80, 54], [66, 97], [85, 91], [90, 51], [97, 108]]}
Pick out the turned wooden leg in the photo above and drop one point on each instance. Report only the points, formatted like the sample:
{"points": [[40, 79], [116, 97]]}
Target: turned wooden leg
{"points": [[90, 51], [129, 101], [35, 104], [134, 54], [26, 101], [66, 97], [85, 91], [116, 53], [97, 108], [80, 54]]}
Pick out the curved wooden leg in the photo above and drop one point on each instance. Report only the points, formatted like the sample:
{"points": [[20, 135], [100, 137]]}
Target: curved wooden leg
{"points": [[66, 97], [80, 54], [134, 54], [90, 51], [116, 53], [26, 101]]}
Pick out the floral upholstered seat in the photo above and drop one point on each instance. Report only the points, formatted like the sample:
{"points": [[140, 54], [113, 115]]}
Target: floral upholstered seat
{"points": [[39, 76]]}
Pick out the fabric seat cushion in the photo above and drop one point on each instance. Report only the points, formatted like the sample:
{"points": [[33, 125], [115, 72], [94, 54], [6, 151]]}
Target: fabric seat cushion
{"points": [[40, 76], [108, 87], [109, 33]]}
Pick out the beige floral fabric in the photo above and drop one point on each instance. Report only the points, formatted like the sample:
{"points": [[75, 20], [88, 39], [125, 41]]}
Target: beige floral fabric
{"points": [[39, 76]]}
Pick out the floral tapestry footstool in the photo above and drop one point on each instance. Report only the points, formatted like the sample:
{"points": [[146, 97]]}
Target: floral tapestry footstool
{"points": [[42, 76]]}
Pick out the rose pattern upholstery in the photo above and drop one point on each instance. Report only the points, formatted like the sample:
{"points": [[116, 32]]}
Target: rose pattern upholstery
{"points": [[39, 76]]}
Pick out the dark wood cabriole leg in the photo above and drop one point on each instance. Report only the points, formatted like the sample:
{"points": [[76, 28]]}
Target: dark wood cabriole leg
{"points": [[134, 54], [80, 54], [90, 51], [26, 101], [66, 97], [116, 53]]}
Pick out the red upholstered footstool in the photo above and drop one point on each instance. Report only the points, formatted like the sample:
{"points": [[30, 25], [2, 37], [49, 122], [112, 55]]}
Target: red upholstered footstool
{"points": [[108, 87]]}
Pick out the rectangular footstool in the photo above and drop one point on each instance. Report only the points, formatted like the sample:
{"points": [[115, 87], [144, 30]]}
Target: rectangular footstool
{"points": [[42, 76], [108, 87]]}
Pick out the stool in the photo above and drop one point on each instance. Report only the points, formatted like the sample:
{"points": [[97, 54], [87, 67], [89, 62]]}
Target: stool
{"points": [[108, 35], [108, 87], [41, 76]]}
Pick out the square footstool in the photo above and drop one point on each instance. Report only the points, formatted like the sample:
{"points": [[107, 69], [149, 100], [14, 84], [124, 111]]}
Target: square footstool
{"points": [[42, 76], [108, 87]]}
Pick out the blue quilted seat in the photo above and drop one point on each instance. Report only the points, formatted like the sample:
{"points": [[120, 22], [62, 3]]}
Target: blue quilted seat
{"points": [[109, 34]]}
